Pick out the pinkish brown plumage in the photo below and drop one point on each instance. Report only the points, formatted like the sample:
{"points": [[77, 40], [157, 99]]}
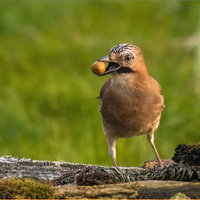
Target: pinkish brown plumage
{"points": [[131, 100]]}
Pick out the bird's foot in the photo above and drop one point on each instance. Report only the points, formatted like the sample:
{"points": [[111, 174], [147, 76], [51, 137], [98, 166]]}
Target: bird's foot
{"points": [[159, 165]]}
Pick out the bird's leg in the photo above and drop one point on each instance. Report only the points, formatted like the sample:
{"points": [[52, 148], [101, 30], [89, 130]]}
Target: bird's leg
{"points": [[112, 150], [150, 137]]}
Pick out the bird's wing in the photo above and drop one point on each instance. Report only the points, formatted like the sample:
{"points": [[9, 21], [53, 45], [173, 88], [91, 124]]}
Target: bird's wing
{"points": [[157, 86], [105, 88]]}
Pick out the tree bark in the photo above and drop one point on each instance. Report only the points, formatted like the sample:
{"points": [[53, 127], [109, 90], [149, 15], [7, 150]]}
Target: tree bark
{"points": [[59, 173], [167, 189], [106, 182], [132, 190], [116, 191]]}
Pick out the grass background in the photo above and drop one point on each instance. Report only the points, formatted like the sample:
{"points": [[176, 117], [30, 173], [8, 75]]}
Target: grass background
{"points": [[48, 105]]}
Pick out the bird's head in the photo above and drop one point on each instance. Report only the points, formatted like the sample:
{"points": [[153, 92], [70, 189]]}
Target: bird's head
{"points": [[123, 58]]}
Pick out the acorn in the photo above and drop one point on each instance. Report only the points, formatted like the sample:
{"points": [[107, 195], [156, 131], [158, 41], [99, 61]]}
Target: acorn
{"points": [[98, 68]]}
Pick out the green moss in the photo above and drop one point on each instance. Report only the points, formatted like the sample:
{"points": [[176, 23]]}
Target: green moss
{"points": [[24, 189], [179, 195]]}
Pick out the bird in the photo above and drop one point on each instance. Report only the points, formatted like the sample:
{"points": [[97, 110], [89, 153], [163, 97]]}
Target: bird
{"points": [[131, 100]]}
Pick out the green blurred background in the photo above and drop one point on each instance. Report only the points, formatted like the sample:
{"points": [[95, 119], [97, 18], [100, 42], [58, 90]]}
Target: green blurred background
{"points": [[48, 105]]}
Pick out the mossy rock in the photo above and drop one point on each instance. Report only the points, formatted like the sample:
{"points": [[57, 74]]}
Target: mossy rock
{"points": [[14, 188]]}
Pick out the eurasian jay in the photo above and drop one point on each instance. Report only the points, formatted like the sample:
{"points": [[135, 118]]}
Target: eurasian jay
{"points": [[131, 100]]}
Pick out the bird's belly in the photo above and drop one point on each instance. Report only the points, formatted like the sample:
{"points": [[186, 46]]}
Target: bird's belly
{"points": [[124, 126], [126, 119], [132, 130]]}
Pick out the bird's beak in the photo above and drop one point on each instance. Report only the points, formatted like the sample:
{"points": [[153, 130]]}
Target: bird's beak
{"points": [[104, 59], [112, 66]]}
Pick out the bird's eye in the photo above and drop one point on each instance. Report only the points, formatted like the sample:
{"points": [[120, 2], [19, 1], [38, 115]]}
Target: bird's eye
{"points": [[128, 57]]}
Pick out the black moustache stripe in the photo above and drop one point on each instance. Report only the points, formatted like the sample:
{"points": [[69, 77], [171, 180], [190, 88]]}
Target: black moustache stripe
{"points": [[125, 70]]}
